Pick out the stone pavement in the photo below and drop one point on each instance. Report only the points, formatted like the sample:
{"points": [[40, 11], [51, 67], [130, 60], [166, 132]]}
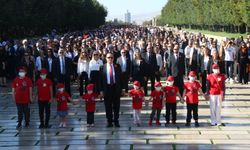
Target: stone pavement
{"points": [[235, 135]]}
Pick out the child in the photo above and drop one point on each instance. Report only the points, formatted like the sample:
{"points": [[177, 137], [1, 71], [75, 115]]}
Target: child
{"points": [[62, 97], [157, 97], [22, 94], [45, 95], [170, 93], [137, 98], [90, 102], [191, 90]]}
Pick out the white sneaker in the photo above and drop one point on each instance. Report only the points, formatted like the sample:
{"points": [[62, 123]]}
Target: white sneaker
{"points": [[88, 125], [227, 80], [64, 125], [60, 125], [92, 125], [231, 80]]}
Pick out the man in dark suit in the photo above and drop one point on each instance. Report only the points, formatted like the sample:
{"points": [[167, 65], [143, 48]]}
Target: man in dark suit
{"points": [[125, 64], [152, 67], [61, 69], [177, 67], [111, 89]]}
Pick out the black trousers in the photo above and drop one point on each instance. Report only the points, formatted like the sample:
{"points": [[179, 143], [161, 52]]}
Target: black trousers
{"points": [[145, 85], [192, 108], [125, 80], [243, 73], [95, 79], [44, 106], [158, 115], [204, 81], [23, 110], [90, 118], [84, 80], [112, 104], [179, 82], [66, 80], [170, 109]]}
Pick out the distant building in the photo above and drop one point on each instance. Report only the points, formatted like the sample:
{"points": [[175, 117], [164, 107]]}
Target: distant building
{"points": [[128, 17]]}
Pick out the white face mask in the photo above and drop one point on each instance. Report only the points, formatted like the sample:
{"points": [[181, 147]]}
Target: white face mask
{"points": [[61, 89], [21, 74], [90, 92], [216, 71], [136, 87], [43, 76], [192, 78], [170, 83], [158, 89]]}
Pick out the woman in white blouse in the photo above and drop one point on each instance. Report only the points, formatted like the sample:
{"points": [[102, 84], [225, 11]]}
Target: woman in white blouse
{"points": [[82, 71], [94, 70]]}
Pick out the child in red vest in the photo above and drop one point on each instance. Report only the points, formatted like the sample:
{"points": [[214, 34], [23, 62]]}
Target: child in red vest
{"points": [[191, 89], [62, 98], [137, 99], [90, 101], [22, 94], [157, 98], [45, 95], [170, 93]]}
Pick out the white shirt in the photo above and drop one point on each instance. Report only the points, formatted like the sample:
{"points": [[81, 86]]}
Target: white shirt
{"points": [[229, 54], [206, 59], [95, 65], [188, 51], [38, 63], [159, 61], [108, 76], [50, 64], [82, 66], [124, 64], [62, 63]]}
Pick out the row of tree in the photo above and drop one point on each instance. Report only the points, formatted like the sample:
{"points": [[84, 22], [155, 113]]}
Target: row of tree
{"points": [[36, 17], [216, 15]]}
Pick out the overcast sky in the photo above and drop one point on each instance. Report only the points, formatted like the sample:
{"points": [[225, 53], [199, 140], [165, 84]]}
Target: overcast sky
{"points": [[140, 9]]}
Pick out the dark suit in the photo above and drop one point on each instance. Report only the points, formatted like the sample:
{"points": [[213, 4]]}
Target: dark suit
{"points": [[112, 93], [127, 73], [139, 71], [205, 71], [177, 69], [152, 68], [62, 78]]}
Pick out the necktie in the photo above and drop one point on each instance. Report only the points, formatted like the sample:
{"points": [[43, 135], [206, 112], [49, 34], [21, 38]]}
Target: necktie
{"points": [[111, 75]]}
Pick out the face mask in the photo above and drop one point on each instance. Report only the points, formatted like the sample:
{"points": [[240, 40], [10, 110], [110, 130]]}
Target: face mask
{"points": [[136, 87], [61, 89], [158, 88], [171, 83], [90, 92], [192, 78], [43, 76], [216, 71], [21, 74]]}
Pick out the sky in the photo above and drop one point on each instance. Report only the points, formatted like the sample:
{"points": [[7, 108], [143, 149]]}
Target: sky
{"points": [[140, 10]]}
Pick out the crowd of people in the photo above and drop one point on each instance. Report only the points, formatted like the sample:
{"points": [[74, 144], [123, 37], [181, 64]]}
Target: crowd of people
{"points": [[104, 61]]}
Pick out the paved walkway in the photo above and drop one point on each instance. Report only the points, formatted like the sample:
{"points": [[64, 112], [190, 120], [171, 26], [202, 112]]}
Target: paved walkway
{"points": [[235, 135]]}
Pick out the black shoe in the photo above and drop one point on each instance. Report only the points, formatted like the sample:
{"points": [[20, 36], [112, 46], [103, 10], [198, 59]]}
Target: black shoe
{"points": [[19, 125], [117, 125], [27, 125], [41, 126], [109, 125], [197, 124], [222, 124], [213, 124], [173, 122], [47, 126], [187, 124]]}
